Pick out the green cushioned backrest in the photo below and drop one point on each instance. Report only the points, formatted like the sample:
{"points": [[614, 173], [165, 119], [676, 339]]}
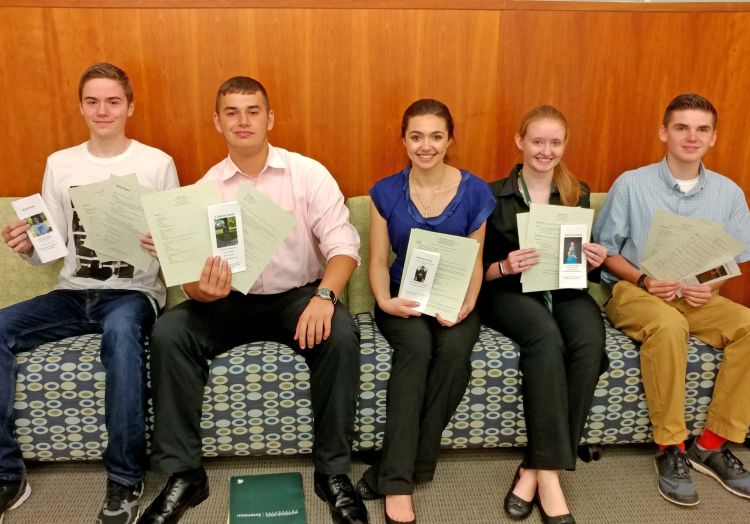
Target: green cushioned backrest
{"points": [[20, 280], [359, 296]]}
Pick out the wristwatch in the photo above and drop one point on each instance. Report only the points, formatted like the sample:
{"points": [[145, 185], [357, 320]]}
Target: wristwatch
{"points": [[326, 294], [642, 281]]}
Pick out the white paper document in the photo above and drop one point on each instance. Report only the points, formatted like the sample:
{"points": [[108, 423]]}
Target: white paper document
{"points": [[572, 269], [265, 225], [420, 273], [44, 235], [120, 224], [178, 222], [543, 234], [458, 257], [225, 227], [681, 247]]}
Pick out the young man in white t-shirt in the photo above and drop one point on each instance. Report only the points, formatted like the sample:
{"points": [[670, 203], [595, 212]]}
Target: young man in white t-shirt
{"points": [[111, 298]]}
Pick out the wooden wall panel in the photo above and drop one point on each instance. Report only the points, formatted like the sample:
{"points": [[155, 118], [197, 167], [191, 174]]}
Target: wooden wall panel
{"points": [[339, 80], [612, 74]]}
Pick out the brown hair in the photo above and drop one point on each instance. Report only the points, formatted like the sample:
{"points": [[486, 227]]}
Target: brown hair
{"points": [[105, 70], [427, 106], [689, 101], [563, 178], [243, 85]]}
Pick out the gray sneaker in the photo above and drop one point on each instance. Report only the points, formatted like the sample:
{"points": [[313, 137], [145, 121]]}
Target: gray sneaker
{"points": [[724, 466], [120, 504], [674, 477]]}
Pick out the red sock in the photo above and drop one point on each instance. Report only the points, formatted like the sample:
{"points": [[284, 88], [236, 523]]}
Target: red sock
{"points": [[681, 445], [710, 440]]}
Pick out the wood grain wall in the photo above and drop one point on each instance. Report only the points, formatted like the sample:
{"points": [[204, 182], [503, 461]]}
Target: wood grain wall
{"points": [[340, 78]]}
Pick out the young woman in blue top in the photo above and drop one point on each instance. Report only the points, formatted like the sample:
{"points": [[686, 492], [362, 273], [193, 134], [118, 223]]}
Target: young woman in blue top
{"points": [[430, 365]]}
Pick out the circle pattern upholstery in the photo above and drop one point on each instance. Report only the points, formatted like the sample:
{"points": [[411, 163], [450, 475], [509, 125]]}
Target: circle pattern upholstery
{"points": [[257, 400]]}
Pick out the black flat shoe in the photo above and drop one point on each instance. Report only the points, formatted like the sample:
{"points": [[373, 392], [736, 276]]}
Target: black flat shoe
{"points": [[174, 500], [559, 519], [365, 491], [515, 507], [345, 503], [389, 520]]}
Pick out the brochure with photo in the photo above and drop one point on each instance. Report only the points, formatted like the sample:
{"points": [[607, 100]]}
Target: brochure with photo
{"points": [[225, 227], [420, 273], [540, 228], [43, 233], [715, 274], [457, 259], [572, 269]]}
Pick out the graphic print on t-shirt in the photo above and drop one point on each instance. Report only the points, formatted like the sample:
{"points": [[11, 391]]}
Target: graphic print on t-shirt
{"points": [[88, 264]]}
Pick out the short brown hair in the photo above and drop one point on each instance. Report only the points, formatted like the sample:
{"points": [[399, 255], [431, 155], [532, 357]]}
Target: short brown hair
{"points": [[105, 70], [243, 85], [689, 101]]}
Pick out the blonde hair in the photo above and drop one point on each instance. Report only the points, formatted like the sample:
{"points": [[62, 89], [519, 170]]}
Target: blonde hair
{"points": [[563, 178]]}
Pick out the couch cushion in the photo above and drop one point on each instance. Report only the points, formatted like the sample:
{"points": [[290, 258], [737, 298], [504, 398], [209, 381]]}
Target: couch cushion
{"points": [[257, 400]]}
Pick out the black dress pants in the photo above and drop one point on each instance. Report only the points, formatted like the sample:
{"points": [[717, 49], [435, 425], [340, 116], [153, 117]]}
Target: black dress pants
{"points": [[430, 368], [562, 356], [187, 336]]}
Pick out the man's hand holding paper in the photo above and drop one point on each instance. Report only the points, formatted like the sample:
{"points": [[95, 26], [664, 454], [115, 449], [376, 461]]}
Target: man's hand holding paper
{"points": [[16, 236], [215, 281]]}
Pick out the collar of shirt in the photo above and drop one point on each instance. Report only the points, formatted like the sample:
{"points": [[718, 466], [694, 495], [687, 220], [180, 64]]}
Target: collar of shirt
{"points": [[273, 161], [671, 182], [509, 186]]}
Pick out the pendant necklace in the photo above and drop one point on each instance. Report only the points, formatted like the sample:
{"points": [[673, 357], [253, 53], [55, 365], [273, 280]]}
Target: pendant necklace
{"points": [[427, 207]]}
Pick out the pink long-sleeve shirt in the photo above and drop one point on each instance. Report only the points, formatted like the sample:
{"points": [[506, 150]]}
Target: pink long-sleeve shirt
{"points": [[303, 187]]}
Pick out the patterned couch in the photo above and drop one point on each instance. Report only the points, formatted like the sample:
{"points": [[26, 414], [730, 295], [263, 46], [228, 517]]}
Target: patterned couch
{"points": [[258, 402]]}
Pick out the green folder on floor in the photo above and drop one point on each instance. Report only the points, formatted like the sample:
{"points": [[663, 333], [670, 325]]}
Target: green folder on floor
{"points": [[275, 498]]}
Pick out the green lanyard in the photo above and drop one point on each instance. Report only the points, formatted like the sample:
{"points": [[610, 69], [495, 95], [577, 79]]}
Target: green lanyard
{"points": [[527, 198]]}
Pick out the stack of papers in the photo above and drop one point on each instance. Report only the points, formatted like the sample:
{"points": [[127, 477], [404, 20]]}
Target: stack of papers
{"points": [[688, 249], [437, 271], [113, 218], [551, 230], [185, 233]]}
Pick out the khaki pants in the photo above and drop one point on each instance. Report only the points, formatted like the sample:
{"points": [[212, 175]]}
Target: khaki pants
{"points": [[663, 329]]}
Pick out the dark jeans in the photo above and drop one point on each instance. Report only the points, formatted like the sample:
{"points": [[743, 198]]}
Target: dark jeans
{"points": [[562, 356], [186, 337], [122, 317], [429, 372]]}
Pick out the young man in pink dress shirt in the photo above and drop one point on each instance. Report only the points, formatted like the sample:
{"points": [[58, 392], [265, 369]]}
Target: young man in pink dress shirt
{"points": [[292, 302]]}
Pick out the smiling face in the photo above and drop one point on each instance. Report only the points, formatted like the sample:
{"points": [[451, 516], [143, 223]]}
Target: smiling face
{"points": [[244, 120], [105, 108], [543, 145], [689, 135], [426, 141]]}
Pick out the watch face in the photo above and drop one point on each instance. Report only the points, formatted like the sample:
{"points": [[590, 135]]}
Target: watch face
{"points": [[326, 293]]}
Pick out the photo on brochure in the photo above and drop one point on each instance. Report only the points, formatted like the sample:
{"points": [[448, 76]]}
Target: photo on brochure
{"points": [[39, 225], [715, 274], [420, 275], [572, 250], [225, 225]]}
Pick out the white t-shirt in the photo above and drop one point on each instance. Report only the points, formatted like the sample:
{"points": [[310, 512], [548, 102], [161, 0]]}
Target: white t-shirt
{"points": [[76, 166]]}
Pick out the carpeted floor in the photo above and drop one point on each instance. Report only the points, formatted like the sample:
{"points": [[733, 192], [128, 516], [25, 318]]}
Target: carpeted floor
{"points": [[468, 488]]}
